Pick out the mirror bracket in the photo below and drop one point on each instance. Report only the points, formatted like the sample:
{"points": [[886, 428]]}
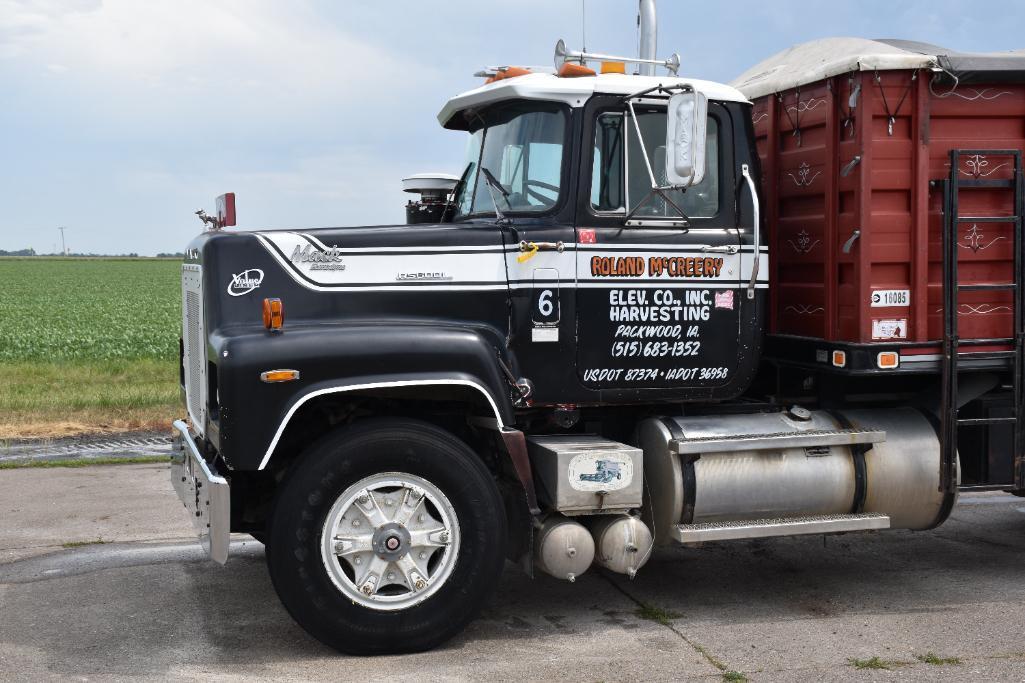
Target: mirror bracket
{"points": [[682, 183]]}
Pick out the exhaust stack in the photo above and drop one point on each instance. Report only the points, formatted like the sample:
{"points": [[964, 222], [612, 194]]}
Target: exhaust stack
{"points": [[647, 36]]}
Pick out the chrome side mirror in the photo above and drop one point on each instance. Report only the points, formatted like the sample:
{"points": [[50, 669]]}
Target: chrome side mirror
{"points": [[686, 127]]}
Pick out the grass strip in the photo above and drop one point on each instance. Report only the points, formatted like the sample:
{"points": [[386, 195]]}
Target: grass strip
{"points": [[875, 663], [82, 462], [80, 544], [657, 614], [935, 660]]}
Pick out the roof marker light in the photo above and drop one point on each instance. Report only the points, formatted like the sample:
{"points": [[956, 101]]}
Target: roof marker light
{"points": [[571, 70], [613, 67]]}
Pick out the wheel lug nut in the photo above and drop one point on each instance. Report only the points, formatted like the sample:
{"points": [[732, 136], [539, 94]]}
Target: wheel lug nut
{"points": [[364, 498], [420, 584]]}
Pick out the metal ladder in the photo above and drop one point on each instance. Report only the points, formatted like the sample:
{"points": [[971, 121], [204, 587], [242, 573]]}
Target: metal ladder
{"points": [[952, 354]]}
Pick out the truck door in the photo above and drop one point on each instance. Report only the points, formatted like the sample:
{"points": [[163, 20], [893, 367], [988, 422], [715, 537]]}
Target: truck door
{"points": [[659, 297]]}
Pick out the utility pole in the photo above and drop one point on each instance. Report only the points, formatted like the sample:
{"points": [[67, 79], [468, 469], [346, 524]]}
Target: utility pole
{"points": [[64, 249]]}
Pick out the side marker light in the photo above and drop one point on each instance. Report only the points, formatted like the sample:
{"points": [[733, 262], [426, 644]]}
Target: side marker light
{"points": [[839, 359], [271, 376], [273, 314], [888, 360]]}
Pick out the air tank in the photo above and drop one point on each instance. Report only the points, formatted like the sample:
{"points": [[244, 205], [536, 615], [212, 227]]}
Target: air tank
{"points": [[563, 548], [622, 543]]}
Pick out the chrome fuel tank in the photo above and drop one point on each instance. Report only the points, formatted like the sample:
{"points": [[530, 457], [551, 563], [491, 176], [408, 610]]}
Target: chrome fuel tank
{"points": [[720, 468]]}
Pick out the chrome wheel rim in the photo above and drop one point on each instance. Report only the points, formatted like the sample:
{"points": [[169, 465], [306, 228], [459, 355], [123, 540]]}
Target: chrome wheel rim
{"points": [[390, 541]]}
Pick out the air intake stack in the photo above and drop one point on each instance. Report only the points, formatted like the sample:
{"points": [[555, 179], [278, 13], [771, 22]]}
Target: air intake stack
{"points": [[647, 37]]}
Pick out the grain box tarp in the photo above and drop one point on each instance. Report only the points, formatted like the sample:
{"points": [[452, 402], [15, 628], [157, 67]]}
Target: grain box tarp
{"points": [[854, 149]]}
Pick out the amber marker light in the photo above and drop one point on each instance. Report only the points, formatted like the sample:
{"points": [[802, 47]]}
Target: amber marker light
{"points": [[273, 314], [839, 358], [888, 360], [271, 376]]}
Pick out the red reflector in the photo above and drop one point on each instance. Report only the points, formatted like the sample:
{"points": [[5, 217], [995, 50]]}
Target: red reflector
{"points": [[226, 209], [273, 314]]}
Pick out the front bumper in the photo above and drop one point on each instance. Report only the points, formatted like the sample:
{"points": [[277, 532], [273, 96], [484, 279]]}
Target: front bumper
{"points": [[205, 494]]}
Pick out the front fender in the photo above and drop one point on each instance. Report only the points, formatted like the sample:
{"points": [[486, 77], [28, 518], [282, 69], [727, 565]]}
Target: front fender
{"points": [[338, 359]]}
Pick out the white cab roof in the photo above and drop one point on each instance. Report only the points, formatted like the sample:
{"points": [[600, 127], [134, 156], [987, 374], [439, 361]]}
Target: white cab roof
{"points": [[819, 59], [572, 91]]}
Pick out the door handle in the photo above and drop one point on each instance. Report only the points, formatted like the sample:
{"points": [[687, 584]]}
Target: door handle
{"points": [[542, 246], [528, 249], [726, 249]]}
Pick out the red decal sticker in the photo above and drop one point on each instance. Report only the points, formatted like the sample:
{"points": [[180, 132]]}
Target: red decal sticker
{"points": [[724, 299], [587, 236]]}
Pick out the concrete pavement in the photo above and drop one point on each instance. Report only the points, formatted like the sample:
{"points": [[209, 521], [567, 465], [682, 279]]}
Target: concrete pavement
{"points": [[146, 605]]}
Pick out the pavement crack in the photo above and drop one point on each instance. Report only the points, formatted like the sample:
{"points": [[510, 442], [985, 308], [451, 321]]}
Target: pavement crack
{"points": [[696, 646]]}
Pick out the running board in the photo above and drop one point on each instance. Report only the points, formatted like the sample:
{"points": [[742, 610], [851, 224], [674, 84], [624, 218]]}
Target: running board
{"points": [[764, 442], [766, 528]]}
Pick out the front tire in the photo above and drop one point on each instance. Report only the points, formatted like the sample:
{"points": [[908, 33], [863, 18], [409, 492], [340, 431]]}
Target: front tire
{"points": [[387, 537]]}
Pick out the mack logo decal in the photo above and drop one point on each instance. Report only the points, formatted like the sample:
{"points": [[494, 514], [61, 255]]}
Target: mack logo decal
{"points": [[423, 276], [245, 282], [318, 259]]}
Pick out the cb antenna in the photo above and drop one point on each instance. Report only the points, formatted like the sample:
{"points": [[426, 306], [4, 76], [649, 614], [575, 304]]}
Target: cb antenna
{"points": [[583, 24]]}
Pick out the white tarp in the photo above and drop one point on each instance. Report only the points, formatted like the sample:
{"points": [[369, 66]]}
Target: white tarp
{"points": [[818, 59]]}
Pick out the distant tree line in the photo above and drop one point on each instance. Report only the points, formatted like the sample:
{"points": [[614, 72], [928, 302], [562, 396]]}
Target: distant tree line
{"points": [[32, 252]]}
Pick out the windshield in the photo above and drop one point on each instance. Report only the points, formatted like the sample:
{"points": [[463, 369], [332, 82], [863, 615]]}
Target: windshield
{"points": [[613, 163], [523, 149]]}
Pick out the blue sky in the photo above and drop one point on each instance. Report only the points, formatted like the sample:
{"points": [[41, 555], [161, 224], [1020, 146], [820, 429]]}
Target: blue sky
{"points": [[119, 119]]}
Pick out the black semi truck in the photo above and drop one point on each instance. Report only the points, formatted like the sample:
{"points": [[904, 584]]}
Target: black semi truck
{"points": [[557, 361]]}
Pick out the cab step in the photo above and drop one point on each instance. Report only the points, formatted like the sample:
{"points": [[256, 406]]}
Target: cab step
{"points": [[767, 528], [763, 442]]}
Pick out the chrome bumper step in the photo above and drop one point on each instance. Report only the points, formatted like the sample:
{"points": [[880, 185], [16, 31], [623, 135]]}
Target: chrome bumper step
{"points": [[763, 442], [767, 528], [204, 493]]}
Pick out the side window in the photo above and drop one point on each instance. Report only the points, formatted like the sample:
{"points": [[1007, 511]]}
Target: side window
{"points": [[697, 201], [607, 170], [619, 178]]}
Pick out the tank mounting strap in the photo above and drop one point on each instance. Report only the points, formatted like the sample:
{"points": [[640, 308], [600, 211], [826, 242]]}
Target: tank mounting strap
{"points": [[766, 528], [764, 442]]}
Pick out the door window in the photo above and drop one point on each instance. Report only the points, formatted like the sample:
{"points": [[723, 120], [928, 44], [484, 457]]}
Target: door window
{"points": [[619, 177]]}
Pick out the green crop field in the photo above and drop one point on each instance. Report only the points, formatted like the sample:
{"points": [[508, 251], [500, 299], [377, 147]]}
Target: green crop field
{"points": [[88, 344]]}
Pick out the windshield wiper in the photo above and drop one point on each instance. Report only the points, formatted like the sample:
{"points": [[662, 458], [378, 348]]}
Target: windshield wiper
{"points": [[492, 182]]}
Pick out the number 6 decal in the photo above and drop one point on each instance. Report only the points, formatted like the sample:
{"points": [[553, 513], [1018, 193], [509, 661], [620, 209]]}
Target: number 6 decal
{"points": [[544, 309]]}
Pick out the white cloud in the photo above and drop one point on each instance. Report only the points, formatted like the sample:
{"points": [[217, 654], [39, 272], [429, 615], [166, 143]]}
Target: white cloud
{"points": [[126, 57]]}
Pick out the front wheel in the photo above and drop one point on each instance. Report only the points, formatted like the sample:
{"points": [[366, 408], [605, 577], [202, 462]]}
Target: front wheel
{"points": [[387, 538]]}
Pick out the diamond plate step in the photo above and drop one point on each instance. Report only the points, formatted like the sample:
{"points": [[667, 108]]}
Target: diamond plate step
{"points": [[762, 442], [765, 528]]}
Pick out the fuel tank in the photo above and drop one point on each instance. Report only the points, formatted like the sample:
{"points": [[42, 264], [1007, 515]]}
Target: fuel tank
{"points": [[721, 468]]}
